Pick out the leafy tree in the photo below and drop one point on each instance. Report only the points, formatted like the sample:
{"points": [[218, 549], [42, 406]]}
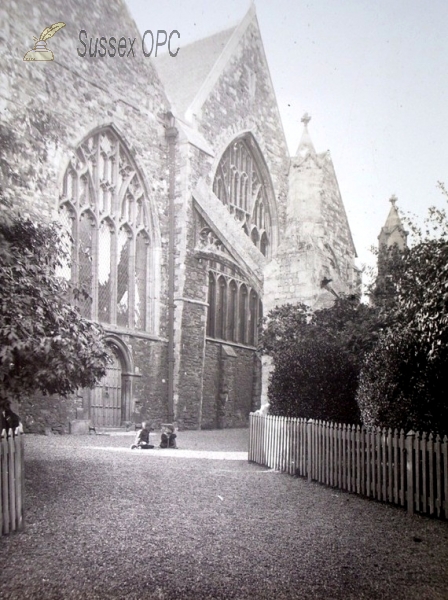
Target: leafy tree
{"points": [[317, 358], [45, 344], [401, 387], [404, 377]]}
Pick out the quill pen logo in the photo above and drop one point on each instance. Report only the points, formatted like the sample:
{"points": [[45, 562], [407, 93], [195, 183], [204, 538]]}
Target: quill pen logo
{"points": [[40, 50]]}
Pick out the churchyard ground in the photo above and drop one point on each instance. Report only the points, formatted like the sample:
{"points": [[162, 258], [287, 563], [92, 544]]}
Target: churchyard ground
{"points": [[200, 522]]}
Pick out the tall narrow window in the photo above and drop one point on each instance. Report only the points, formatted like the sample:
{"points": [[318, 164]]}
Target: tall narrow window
{"points": [[85, 258], [123, 256], [253, 319], [67, 234], [104, 272], [231, 313], [141, 266], [264, 244], [103, 196], [221, 309], [240, 185], [211, 305], [242, 335]]}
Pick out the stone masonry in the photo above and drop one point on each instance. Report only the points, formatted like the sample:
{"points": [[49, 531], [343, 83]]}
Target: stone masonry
{"points": [[176, 117]]}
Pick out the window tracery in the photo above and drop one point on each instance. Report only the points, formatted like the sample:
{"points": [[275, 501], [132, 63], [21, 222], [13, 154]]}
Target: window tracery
{"points": [[104, 208], [240, 186]]}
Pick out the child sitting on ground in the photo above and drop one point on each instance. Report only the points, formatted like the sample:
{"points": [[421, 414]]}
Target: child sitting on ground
{"points": [[142, 439], [168, 436]]}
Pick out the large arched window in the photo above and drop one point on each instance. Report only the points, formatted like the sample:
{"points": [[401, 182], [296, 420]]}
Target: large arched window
{"points": [[105, 208], [239, 185]]}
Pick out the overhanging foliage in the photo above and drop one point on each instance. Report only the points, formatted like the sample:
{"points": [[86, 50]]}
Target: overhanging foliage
{"points": [[45, 344]]}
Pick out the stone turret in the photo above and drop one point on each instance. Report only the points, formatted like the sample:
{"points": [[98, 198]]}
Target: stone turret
{"points": [[315, 258], [392, 234], [393, 231]]}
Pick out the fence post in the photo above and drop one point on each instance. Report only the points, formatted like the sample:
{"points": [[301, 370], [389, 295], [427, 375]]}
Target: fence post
{"points": [[410, 471], [5, 481], [445, 475], [309, 439], [20, 478]]}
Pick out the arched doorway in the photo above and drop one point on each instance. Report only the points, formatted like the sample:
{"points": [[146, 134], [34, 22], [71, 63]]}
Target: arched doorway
{"points": [[106, 399], [108, 404]]}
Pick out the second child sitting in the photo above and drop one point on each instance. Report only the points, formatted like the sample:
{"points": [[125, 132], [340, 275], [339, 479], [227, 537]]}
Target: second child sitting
{"points": [[168, 439], [142, 439]]}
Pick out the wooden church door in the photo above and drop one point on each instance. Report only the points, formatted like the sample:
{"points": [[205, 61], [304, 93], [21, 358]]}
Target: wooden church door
{"points": [[106, 399]]}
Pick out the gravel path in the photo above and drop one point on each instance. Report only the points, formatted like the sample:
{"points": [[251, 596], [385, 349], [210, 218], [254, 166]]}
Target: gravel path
{"points": [[105, 522]]}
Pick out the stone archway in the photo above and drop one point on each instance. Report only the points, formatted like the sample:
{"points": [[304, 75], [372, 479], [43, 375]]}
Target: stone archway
{"points": [[108, 403], [106, 399]]}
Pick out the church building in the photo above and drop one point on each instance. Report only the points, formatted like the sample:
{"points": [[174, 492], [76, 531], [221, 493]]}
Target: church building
{"points": [[189, 219]]}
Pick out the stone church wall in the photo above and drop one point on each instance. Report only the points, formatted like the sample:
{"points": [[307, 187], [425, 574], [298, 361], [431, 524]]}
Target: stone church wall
{"points": [[228, 386], [54, 413], [44, 414], [150, 385], [243, 100], [47, 109], [234, 106]]}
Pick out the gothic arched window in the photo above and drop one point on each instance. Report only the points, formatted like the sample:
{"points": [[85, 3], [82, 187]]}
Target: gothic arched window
{"points": [[107, 213], [239, 185]]}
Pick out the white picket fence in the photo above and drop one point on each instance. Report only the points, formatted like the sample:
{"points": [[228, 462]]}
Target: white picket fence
{"points": [[12, 481], [409, 470]]}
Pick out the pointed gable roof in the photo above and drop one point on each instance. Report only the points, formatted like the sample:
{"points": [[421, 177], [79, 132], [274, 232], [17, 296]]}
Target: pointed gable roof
{"points": [[184, 75], [189, 80]]}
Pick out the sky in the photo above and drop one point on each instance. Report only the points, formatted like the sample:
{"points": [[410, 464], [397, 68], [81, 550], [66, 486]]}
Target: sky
{"points": [[373, 75]]}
